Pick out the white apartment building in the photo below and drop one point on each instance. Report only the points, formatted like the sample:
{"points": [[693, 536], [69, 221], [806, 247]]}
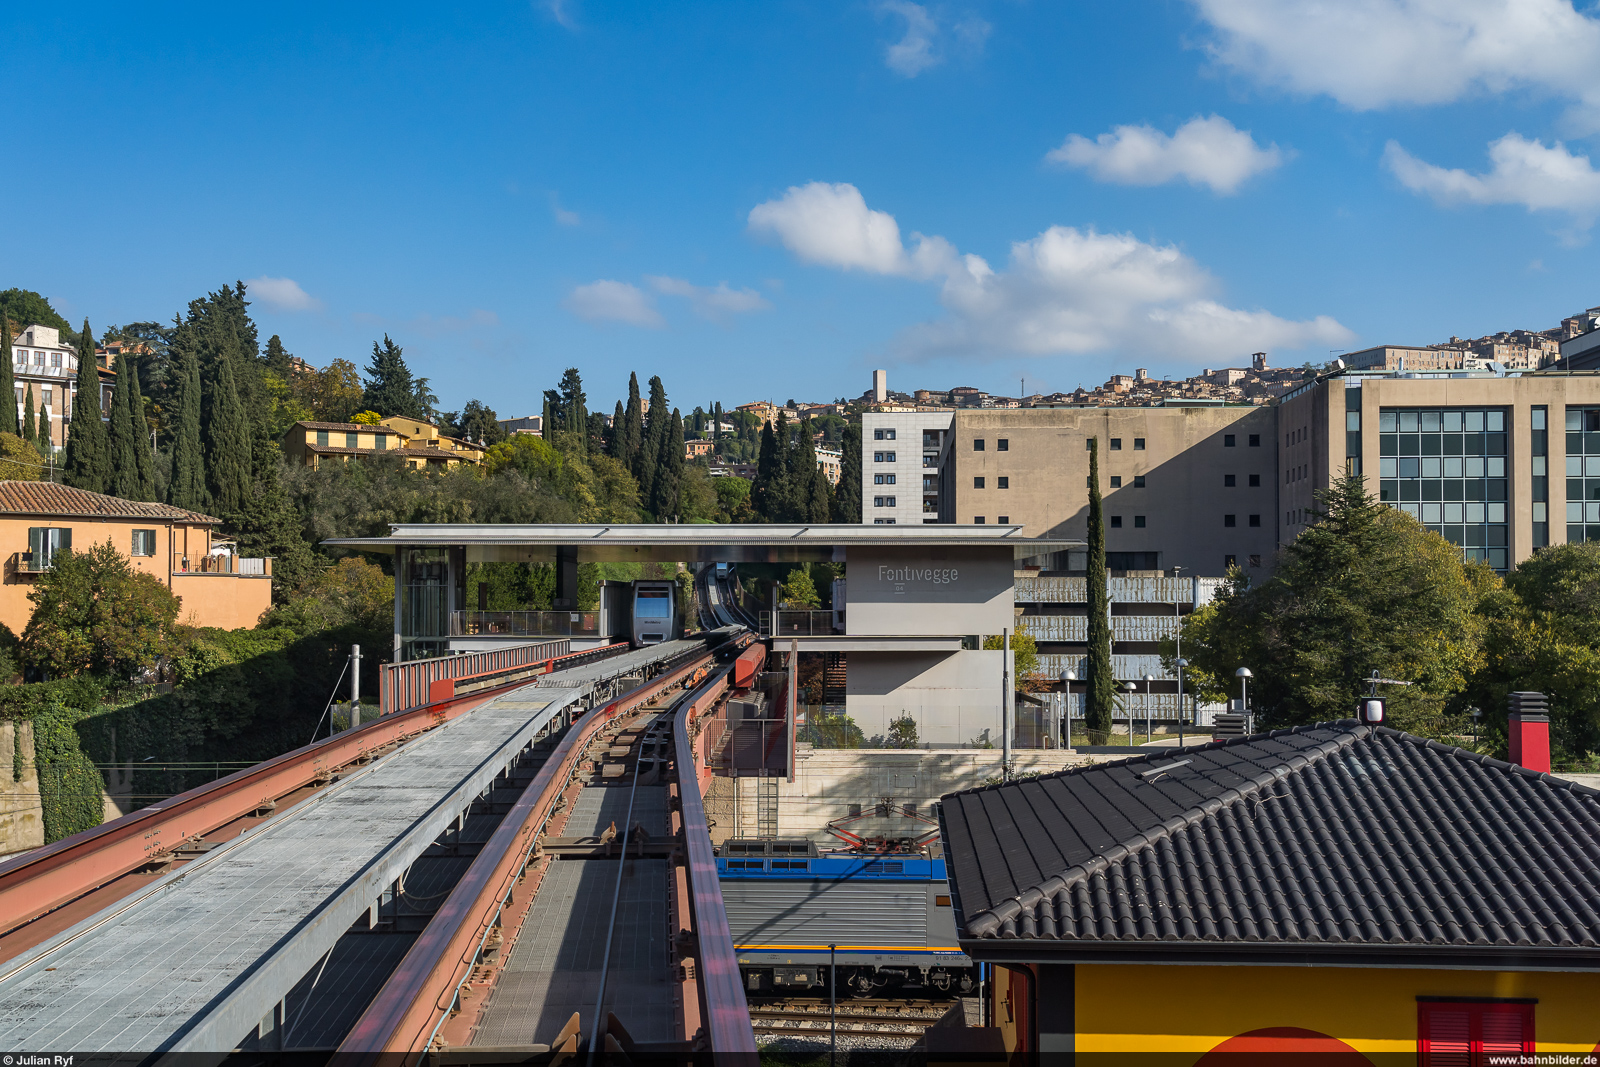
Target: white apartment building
{"points": [[902, 453], [42, 364]]}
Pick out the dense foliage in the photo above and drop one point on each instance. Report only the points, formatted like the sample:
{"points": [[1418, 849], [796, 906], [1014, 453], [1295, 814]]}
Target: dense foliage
{"points": [[94, 613], [1100, 684]]}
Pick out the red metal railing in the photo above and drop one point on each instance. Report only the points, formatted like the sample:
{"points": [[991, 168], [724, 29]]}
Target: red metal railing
{"points": [[404, 686]]}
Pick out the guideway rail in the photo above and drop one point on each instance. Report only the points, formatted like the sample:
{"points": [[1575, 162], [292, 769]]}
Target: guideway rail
{"points": [[39, 881], [399, 1024]]}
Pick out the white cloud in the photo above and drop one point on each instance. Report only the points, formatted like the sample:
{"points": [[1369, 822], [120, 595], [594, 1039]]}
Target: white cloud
{"points": [[1065, 292], [711, 303], [613, 301], [918, 49], [1521, 172], [561, 214], [1377, 53], [281, 294], [1203, 151], [561, 11]]}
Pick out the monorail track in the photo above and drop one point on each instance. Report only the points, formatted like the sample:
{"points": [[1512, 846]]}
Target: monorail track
{"points": [[857, 1018]]}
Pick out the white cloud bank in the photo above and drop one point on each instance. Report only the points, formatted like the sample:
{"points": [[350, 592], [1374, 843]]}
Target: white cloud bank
{"points": [[920, 48], [613, 301], [281, 294], [1065, 292], [1371, 54], [1520, 172], [711, 303], [1203, 151]]}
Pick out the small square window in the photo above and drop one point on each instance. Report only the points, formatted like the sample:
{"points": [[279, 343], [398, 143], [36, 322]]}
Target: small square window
{"points": [[877, 435], [1116, 444], [1229, 481], [1230, 520], [1255, 561], [1255, 520], [977, 444], [1138, 481], [1005, 483], [977, 520], [1138, 444], [322, 438], [144, 542], [977, 483], [1003, 444], [1116, 481], [1255, 481], [1227, 440], [1138, 522], [350, 440], [1088, 444], [1003, 520], [1255, 440], [1116, 522]]}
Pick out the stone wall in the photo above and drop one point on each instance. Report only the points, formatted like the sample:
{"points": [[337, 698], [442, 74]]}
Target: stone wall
{"points": [[21, 814]]}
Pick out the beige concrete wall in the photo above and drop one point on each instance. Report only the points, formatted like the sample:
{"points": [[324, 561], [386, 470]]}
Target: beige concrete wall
{"points": [[953, 696], [21, 814], [1184, 461], [934, 591]]}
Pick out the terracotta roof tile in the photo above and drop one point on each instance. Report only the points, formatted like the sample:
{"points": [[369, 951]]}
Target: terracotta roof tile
{"points": [[47, 498]]}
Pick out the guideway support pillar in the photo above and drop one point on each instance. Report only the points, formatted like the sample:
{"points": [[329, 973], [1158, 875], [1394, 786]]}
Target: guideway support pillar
{"points": [[566, 577]]}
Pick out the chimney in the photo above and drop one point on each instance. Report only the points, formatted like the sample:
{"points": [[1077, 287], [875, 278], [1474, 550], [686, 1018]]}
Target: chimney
{"points": [[1529, 726]]}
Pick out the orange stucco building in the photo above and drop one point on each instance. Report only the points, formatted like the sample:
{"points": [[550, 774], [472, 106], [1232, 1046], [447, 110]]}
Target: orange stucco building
{"points": [[178, 547], [419, 444]]}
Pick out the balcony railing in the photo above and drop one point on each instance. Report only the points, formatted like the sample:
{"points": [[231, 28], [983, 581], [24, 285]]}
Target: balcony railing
{"points": [[26, 563], [525, 623], [249, 567], [798, 623]]}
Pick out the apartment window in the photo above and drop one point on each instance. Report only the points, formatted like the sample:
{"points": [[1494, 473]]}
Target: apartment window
{"points": [[1116, 444], [1352, 421], [1116, 481], [144, 543], [322, 438], [883, 501], [883, 479], [1003, 444], [1138, 522], [1138, 444], [1255, 481], [1229, 481], [1255, 561], [1230, 520], [38, 359], [1538, 422], [380, 441], [1447, 467], [1116, 522], [977, 483], [1005, 483], [883, 435], [1227, 440], [883, 457], [977, 520], [1003, 520], [55, 359], [1255, 520], [44, 542], [883, 522], [1255, 440], [977, 444], [351, 439], [1138, 481], [1229, 562], [1462, 1032]]}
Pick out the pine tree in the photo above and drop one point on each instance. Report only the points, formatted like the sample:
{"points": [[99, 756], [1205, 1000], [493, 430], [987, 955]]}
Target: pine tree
{"points": [[847, 498], [29, 434], [88, 463], [278, 359], [669, 469], [228, 446], [8, 383], [188, 486], [390, 389], [141, 430], [574, 409], [1099, 679], [124, 460], [632, 430], [655, 433]]}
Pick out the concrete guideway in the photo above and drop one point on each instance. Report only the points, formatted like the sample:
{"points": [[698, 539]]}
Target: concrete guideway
{"points": [[195, 961]]}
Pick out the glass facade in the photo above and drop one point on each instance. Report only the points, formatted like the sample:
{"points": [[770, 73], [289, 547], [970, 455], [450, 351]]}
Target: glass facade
{"points": [[1583, 474], [1447, 466]]}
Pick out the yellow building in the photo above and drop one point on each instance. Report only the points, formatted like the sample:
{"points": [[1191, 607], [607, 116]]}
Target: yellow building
{"points": [[38, 520], [418, 443], [1341, 889]]}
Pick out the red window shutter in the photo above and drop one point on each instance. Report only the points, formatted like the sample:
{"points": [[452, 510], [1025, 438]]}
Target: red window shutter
{"points": [[1505, 1029], [1445, 1035], [1467, 1034]]}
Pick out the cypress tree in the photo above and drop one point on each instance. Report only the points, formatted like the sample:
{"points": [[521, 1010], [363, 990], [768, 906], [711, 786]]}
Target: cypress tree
{"points": [[656, 432], [574, 409], [669, 470], [29, 434], [188, 486], [8, 382], [617, 450], [46, 446], [227, 445], [765, 494], [847, 498], [632, 430], [1100, 681], [716, 428], [124, 463], [547, 428], [88, 445], [141, 436]]}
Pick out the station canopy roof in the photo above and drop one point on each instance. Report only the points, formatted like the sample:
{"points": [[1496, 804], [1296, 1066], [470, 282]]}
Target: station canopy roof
{"points": [[696, 543]]}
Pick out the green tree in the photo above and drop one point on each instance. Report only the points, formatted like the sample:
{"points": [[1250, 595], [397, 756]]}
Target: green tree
{"points": [[903, 733], [1365, 588], [574, 411], [1101, 682], [124, 440], [630, 431], [669, 470], [332, 394], [476, 422], [144, 461], [8, 383], [46, 445], [88, 463], [847, 497], [799, 591], [352, 592], [278, 359], [770, 496], [656, 433], [733, 498], [30, 433], [19, 462], [187, 487], [228, 445], [390, 389], [27, 308], [268, 524], [93, 612]]}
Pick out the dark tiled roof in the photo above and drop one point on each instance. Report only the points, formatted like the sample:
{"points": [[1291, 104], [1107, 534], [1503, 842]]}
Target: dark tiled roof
{"points": [[1334, 837], [47, 498], [426, 453], [357, 427]]}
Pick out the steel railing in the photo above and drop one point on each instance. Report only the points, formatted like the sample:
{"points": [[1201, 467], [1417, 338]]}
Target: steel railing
{"points": [[404, 686], [798, 623], [525, 623]]}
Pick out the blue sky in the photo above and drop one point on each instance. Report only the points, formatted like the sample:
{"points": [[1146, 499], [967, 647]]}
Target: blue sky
{"points": [[766, 201]]}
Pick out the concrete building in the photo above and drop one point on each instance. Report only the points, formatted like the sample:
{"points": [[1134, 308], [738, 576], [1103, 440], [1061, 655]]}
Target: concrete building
{"points": [[901, 457], [43, 364], [526, 424], [831, 460], [38, 520], [1408, 358]]}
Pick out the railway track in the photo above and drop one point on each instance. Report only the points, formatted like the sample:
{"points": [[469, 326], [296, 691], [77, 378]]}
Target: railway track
{"points": [[859, 1018]]}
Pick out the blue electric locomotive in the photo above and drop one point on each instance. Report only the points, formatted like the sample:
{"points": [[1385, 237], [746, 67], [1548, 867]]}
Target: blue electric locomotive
{"points": [[887, 914]]}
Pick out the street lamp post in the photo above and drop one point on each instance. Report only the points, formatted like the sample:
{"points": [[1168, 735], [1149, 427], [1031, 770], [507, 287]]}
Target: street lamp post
{"points": [[1244, 676], [1148, 732], [1067, 678], [1181, 664], [1130, 689]]}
